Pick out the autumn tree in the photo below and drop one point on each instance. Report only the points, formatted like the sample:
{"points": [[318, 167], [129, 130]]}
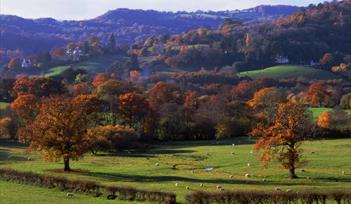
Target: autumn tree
{"points": [[112, 138], [265, 102], [38, 86], [282, 140], [317, 93], [133, 108], [101, 78], [59, 131], [14, 64], [337, 119], [26, 107]]}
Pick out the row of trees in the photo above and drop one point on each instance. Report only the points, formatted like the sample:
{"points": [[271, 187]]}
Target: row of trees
{"points": [[107, 114]]}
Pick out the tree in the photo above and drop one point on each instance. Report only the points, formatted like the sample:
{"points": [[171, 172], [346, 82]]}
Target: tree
{"points": [[7, 128], [133, 108], [38, 86], [111, 45], [282, 139], [26, 107], [112, 138], [101, 78], [317, 94], [59, 131], [337, 119], [14, 64], [324, 120]]}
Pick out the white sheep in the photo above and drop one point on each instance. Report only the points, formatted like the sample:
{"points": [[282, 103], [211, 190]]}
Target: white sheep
{"points": [[343, 172], [219, 187], [247, 175], [157, 164], [231, 176], [233, 145], [176, 184], [201, 185], [187, 188], [69, 194], [248, 164]]}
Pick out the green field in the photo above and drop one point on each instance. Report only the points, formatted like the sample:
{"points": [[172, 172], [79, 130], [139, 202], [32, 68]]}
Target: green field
{"points": [[184, 163], [3, 105], [289, 71], [94, 65]]}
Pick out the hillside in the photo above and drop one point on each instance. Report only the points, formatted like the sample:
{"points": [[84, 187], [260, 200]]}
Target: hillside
{"points": [[35, 35], [289, 71]]}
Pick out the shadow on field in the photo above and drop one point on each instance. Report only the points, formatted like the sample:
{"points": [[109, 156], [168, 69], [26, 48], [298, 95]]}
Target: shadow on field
{"points": [[157, 179], [147, 153], [5, 156], [187, 144]]}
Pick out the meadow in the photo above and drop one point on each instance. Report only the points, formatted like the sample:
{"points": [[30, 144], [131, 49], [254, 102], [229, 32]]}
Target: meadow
{"points": [[289, 71], [173, 167]]}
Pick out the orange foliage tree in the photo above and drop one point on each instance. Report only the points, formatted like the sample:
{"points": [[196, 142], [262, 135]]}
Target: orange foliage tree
{"points": [[317, 94], [133, 108], [26, 107], [283, 138], [324, 120], [59, 131]]}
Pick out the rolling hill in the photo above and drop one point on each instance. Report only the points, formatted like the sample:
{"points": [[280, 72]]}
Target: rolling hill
{"points": [[289, 71], [36, 35]]}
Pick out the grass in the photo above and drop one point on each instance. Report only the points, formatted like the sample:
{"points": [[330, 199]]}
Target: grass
{"points": [[94, 65], [3, 105], [184, 163], [289, 71]]}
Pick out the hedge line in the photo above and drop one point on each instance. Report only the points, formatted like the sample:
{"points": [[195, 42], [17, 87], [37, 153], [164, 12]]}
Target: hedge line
{"points": [[269, 197], [87, 187]]}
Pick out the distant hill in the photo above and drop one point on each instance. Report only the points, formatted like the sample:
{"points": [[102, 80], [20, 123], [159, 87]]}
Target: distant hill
{"points": [[289, 71], [36, 35]]}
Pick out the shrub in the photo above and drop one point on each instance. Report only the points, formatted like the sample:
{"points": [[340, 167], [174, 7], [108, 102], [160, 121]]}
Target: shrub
{"points": [[256, 197], [87, 187]]}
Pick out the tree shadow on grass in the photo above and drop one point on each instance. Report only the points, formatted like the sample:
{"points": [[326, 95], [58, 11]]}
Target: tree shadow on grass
{"points": [[6, 156], [158, 179], [188, 144], [146, 153]]}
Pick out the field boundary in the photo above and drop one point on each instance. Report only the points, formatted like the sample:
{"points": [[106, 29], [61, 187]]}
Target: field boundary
{"points": [[87, 187]]}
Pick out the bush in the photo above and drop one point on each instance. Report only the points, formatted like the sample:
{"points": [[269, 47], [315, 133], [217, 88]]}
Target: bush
{"points": [[87, 187], [257, 197]]}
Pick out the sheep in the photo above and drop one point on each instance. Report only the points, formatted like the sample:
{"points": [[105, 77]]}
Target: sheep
{"points": [[251, 152], [201, 185], [343, 172], [264, 180], [248, 164], [233, 145], [187, 188], [69, 194], [219, 187], [231, 176], [289, 190], [29, 158], [247, 175], [278, 189], [157, 164], [192, 171]]}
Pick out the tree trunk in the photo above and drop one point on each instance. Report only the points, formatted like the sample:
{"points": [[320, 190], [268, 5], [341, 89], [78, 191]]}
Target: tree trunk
{"points": [[66, 163], [292, 173]]}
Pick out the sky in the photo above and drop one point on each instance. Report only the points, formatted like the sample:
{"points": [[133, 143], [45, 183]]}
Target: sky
{"points": [[86, 9]]}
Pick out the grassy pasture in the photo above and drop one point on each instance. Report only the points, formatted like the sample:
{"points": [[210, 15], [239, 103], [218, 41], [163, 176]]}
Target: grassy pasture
{"points": [[289, 71], [184, 163]]}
